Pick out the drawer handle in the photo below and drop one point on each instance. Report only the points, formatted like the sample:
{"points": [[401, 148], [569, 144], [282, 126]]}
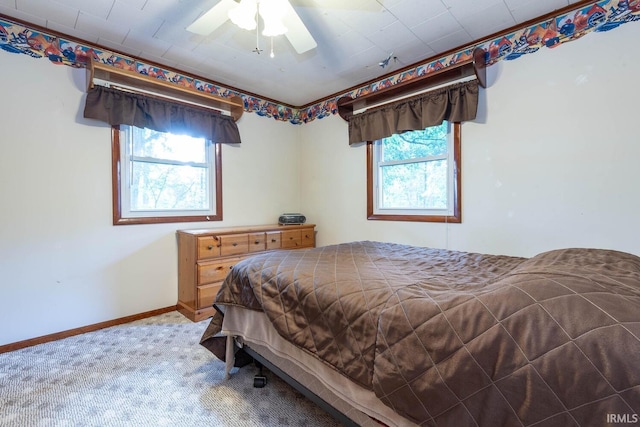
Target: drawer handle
{"points": [[234, 244], [257, 242], [210, 247], [219, 267], [273, 240]]}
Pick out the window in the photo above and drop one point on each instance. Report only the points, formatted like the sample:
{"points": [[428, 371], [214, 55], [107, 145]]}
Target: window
{"points": [[415, 176], [161, 177]]}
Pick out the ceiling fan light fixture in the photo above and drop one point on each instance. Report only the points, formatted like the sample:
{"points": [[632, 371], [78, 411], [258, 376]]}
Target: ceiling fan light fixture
{"points": [[244, 14], [273, 28], [272, 13]]}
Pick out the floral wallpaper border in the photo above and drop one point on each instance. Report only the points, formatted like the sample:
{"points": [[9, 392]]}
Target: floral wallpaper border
{"points": [[603, 15]]}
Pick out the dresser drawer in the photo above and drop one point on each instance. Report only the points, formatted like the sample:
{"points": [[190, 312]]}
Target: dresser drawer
{"points": [[215, 271], [207, 295], [291, 239], [257, 242], [234, 244], [273, 240], [308, 237], [208, 247]]}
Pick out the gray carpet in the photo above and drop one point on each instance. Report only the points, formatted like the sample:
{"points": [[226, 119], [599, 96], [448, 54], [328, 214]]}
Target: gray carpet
{"points": [[151, 372]]}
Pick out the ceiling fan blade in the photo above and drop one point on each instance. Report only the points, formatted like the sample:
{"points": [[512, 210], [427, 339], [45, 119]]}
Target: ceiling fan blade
{"points": [[214, 18], [297, 33]]}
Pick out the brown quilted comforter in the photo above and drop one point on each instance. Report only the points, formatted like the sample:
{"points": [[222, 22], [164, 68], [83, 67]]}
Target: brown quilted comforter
{"points": [[452, 338]]}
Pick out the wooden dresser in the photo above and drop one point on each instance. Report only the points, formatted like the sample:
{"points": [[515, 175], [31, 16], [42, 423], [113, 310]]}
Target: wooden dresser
{"points": [[206, 256]]}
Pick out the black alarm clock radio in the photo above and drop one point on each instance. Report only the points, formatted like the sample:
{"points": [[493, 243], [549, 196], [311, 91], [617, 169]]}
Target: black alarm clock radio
{"points": [[291, 219]]}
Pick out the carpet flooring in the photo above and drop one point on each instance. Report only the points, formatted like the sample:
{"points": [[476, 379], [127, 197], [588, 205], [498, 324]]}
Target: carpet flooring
{"points": [[151, 372]]}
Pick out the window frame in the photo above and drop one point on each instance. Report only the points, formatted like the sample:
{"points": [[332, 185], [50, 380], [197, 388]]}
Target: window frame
{"points": [[455, 217], [116, 189]]}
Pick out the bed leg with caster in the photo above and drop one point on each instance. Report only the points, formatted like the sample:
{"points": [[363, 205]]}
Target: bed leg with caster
{"points": [[260, 380]]}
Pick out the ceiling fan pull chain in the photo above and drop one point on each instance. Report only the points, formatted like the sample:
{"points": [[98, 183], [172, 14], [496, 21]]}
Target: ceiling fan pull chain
{"points": [[257, 49]]}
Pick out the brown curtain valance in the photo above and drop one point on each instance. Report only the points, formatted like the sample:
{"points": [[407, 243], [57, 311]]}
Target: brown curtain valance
{"points": [[117, 107], [455, 103]]}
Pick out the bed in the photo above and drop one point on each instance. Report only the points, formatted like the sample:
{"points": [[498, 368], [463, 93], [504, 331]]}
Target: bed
{"points": [[403, 335]]}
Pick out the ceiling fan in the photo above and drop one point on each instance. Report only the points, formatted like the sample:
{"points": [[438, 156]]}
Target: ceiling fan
{"points": [[278, 17]]}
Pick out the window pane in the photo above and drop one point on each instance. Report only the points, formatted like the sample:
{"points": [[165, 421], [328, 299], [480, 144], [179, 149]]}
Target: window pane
{"points": [[159, 187], [421, 185], [410, 145], [160, 145]]}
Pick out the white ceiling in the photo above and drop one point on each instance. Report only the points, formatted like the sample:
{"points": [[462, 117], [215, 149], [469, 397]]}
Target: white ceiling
{"points": [[353, 36]]}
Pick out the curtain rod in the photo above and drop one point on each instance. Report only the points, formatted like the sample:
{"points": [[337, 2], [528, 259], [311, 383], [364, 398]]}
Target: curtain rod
{"points": [[136, 90], [419, 92]]}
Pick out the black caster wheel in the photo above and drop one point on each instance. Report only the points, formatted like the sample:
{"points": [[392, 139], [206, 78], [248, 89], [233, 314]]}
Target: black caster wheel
{"points": [[259, 381]]}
